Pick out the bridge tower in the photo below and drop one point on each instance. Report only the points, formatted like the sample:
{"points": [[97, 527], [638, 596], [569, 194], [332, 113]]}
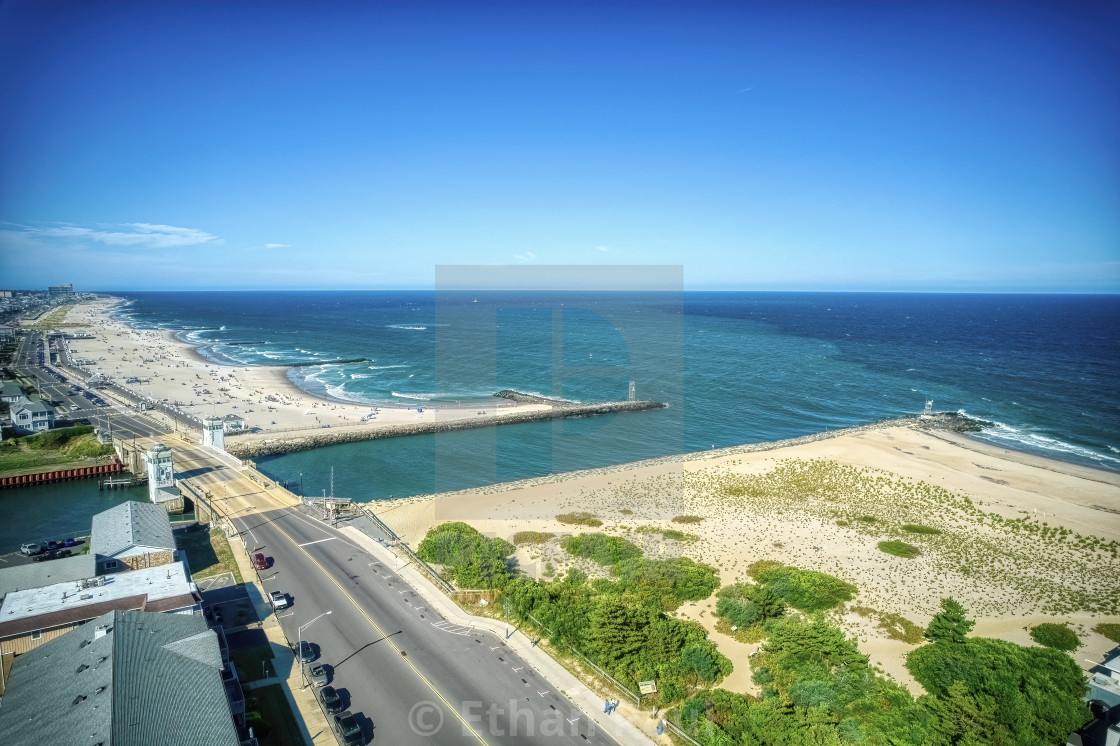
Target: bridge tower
{"points": [[161, 471], [213, 433]]}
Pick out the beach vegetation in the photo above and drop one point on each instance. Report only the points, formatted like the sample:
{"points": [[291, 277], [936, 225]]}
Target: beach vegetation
{"points": [[805, 590], [606, 550], [1057, 636], [748, 606], [899, 549], [896, 626], [917, 528], [469, 558], [580, 518], [531, 537], [1108, 630], [817, 688], [687, 519], [667, 533], [951, 624]]}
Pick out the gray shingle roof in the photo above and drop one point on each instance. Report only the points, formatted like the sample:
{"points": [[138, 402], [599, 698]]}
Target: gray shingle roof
{"points": [[131, 524], [151, 679], [10, 388], [31, 406], [39, 574]]}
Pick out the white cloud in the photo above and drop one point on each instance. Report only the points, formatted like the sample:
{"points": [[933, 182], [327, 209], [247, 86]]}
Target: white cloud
{"points": [[603, 248], [528, 256], [147, 235], [277, 245]]}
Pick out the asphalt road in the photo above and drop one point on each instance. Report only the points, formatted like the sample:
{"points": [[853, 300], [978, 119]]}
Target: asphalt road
{"points": [[409, 675]]}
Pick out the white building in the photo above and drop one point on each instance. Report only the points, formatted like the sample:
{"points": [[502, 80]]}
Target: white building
{"points": [[213, 433], [233, 423]]}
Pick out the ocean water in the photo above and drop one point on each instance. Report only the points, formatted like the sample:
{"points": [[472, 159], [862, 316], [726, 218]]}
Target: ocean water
{"points": [[734, 367]]}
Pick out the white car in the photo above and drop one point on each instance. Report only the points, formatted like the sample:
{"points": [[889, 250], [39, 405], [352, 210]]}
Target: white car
{"points": [[74, 407], [279, 600]]}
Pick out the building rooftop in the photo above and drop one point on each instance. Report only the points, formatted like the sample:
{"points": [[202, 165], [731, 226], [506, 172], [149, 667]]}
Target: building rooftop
{"points": [[160, 588], [39, 574], [36, 407], [144, 527], [127, 678], [10, 388]]}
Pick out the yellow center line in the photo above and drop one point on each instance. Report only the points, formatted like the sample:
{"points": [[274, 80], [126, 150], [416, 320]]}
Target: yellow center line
{"points": [[362, 611]]}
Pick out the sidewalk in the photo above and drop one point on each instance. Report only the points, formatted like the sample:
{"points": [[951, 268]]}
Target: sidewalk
{"points": [[621, 727], [308, 715]]}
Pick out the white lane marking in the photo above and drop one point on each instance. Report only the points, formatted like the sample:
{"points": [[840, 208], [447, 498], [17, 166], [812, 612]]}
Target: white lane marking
{"points": [[450, 628], [317, 541], [281, 616]]}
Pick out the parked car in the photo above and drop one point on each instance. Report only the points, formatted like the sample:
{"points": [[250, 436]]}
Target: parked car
{"points": [[260, 562], [331, 699], [316, 674], [279, 600], [347, 728], [306, 653], [31, 549]]}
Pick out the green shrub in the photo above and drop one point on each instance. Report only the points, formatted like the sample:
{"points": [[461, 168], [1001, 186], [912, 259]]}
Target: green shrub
{"points": [[746, 604], [601, 548], [580, 518], [867, 519], [665, 583], [806, 590], [1057, 636], [687, 519], [473, 560], [899, 549], [917, 528], [1111, 631]]}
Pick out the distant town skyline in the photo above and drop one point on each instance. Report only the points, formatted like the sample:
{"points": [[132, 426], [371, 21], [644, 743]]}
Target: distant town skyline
{"points": [[866, 146]]}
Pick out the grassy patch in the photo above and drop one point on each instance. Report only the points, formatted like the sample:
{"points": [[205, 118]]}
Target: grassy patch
{"points": [[473, 560], [867, 519], [248, 662], [269, 706], [626, 511], [667, 533], [531, 537], [65, 445], [1111, 631], [747, 635], [1057, 636], [687, 519], [580, 518], [896, 627], [899, 549], [208, 553], [917, 528], [601, 548]]}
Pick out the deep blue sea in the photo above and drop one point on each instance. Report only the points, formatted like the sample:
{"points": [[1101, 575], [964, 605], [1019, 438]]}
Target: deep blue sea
{"points": [[735, 367]]}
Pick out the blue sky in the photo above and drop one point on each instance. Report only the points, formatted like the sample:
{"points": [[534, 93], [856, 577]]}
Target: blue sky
{"points": [[836, 146]]}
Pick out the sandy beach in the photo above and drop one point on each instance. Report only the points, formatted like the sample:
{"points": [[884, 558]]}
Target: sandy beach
{"points": [[825, 505], [173, 371]]}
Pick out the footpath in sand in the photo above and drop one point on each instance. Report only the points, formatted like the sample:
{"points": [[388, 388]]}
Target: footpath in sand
{"points": [[1021, 539]]}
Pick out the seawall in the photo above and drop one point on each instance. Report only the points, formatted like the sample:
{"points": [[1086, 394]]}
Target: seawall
{"points": [[318, 438]]}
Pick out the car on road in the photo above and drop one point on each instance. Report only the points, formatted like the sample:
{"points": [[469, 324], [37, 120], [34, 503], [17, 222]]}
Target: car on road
{"points": [[279, 600], [74, 407], [260, 562], [306, 653], [347, 728], [331, 699], [31, 549], [316, 674]]}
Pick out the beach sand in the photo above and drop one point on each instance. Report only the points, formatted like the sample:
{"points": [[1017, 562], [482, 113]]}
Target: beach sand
{"points": [[173, 370], [784, 505]]}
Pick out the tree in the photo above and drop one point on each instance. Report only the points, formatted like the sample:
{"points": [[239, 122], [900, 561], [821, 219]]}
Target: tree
{"points": [[951, 624]]}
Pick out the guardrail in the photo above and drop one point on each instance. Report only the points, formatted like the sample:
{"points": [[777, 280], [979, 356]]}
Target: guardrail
{"points": [[399, 544]]}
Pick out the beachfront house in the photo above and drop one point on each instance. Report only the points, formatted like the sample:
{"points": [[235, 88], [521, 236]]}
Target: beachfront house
{"points": [[131, 536], [127, 678], [233, 423], [29, 417]]}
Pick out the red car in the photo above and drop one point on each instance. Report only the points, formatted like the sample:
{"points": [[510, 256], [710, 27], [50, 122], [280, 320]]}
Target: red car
{"points": [[260, 562]]}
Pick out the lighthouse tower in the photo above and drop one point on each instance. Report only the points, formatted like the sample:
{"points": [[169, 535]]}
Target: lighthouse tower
{"points": [[213, 433]]}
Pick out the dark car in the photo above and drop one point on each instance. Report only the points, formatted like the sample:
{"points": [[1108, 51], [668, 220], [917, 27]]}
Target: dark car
{"points": [[260, 562], [331, 699], [347, 728], [306, 654]]}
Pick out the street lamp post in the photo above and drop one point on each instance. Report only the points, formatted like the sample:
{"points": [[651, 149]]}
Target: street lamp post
{"points": [[299, 649]]}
